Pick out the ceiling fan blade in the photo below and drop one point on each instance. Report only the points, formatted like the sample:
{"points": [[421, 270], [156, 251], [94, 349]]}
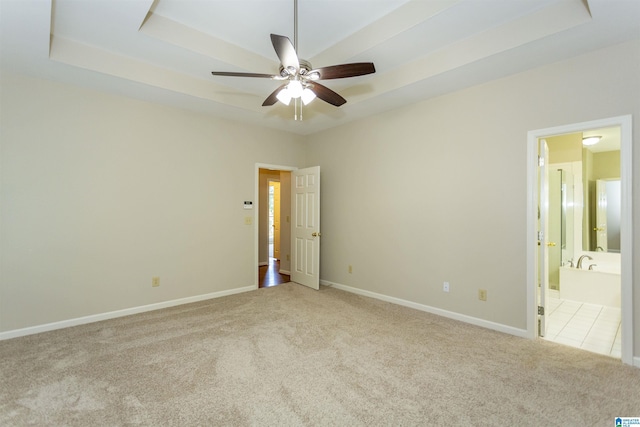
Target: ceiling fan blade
{"points": [[232, 74], [345, 70], [273, 98], [327, 95], [286, 52]]}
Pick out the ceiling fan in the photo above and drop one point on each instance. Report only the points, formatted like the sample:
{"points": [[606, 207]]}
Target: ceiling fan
{"points": [[299, 77]]}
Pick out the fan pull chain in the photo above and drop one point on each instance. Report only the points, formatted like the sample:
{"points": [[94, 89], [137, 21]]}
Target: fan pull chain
{"points": [[297, 109]]}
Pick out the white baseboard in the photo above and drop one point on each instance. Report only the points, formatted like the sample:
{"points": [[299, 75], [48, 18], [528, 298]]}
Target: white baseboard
{"points": [[157, 306], [444, 313], [118, 313], [287, 272], [263, 263]]}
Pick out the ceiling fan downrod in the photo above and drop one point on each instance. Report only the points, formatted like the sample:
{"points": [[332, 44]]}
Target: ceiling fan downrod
{"points": [[299, 79], [295, 25], [297, 105]]}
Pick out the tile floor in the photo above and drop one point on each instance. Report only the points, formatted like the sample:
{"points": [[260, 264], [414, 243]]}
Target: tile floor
{"points": [[591, 327]]}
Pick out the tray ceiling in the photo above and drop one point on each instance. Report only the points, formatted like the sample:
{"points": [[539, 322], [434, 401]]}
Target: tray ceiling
{"points": [[164, 50]]}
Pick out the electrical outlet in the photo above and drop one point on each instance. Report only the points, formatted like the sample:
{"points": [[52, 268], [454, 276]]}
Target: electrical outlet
{"points": [[288, 257], [350, 269], [248, 220], [445, 286], [482, 294], [155, 281]]}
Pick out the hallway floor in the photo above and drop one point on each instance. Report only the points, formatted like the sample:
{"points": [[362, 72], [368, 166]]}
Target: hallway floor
{"points": [[591, 327], [269, 275]]}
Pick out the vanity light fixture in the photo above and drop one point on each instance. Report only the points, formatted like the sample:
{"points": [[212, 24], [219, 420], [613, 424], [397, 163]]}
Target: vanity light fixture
{"points": [[591, 140]]}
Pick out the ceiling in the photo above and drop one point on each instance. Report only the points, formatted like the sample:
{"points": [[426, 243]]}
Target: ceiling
{"points": [[610, 139], [164, 50]]}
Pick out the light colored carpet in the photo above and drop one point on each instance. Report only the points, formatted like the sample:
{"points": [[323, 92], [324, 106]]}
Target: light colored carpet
{"points": [[289, 355]]}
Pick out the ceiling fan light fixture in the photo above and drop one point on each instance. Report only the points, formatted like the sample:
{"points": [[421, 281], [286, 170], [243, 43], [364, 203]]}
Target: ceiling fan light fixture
{"points": [[295, 88], [591, 140], [307, 96], [284, 96], [298, 77]]}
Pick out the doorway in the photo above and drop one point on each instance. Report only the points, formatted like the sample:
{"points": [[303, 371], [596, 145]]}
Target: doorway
{"points": [[579, 246], [273, 201], [273, 274], [583, 306], [273, 225], [300, 222]]}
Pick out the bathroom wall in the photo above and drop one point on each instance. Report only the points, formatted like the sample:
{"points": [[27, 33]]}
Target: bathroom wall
{"points": [[606, 165]]}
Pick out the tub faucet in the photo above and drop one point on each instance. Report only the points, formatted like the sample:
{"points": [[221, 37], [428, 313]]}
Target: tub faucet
{"points": [[579, 263]]}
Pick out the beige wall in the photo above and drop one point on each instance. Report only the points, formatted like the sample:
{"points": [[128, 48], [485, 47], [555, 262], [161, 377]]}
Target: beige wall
{"points": [[437, 191], [100, 193]]}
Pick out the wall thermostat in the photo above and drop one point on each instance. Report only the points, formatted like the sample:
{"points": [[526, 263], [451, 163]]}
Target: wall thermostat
{"points": [[248, 205]]}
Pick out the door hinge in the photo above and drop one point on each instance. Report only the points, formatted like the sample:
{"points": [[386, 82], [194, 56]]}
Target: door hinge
{"points": [[540, 310], [540, 161], [540, 235]]}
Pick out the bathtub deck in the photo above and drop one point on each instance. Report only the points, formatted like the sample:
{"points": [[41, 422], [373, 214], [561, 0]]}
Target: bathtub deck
{"points": [[591, 327]]}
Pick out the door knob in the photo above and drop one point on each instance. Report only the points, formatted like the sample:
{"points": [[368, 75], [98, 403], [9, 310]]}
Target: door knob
{"points": [[551, 244], [314, 234]]}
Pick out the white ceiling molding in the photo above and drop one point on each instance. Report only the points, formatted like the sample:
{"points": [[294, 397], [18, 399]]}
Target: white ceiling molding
{"points": [[164, 50], [528, 28], [180, 35], [90, 58]]}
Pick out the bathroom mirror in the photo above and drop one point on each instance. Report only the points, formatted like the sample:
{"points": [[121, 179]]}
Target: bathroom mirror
{"points": [[601, 192], [606, 224], [576, 171]]}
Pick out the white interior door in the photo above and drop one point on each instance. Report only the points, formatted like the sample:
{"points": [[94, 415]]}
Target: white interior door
{"points": [[305, 232], [543, 233]]}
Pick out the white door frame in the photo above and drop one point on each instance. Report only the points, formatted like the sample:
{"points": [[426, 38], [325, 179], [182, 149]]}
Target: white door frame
{"points": [[256, 222], [626, 241], [543, 248]]}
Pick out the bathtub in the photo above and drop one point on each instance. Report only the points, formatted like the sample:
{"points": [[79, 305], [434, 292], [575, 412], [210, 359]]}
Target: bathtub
{"points": [[598, 286]]}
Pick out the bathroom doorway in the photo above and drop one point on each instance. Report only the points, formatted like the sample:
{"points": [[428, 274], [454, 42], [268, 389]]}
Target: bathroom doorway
{"points": [[583, 271], [579, 288]]}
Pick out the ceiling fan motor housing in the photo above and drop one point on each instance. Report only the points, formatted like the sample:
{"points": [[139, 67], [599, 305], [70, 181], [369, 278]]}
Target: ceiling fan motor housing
{"points": [[300, 76], [305, 67]]}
